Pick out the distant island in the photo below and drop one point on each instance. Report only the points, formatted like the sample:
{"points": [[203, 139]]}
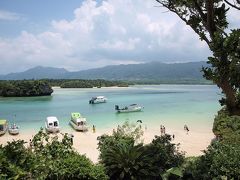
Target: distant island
{"points": [[144, 73], [25, 88]]}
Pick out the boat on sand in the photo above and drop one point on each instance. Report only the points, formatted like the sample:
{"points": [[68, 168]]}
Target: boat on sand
{"points": [[13, 129], [78, 122], [52, 124], [3, 126]]}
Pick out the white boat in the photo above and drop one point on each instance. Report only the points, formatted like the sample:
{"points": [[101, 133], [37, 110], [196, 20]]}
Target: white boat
{"points": [[13, 129], [98, 99], [3, 126], [52, 124], [130, 108], [78, 122]]}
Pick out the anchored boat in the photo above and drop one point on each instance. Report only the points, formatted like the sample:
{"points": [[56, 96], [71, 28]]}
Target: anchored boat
{"points": [[13, 129], [130, 108], [3, 126], [97, 100], [52, 124], [78, 122]]}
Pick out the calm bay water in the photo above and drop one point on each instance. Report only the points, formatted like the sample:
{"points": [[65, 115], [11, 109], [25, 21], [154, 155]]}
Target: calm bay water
{"points": [[172, 105]]}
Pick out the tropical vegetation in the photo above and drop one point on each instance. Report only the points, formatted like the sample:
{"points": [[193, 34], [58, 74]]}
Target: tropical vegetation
{"points": [[46, 158], [83, 83], [124, 156], [25, 88], [20, 88]]}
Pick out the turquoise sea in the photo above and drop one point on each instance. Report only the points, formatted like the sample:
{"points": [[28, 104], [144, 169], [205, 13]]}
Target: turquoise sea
{"points": [[172, 105]]}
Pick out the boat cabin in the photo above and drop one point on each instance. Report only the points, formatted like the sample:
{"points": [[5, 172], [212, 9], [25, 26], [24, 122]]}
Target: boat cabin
{"points": [[52, 122]]}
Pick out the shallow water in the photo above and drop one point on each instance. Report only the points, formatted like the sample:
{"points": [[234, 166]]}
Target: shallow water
{"points": [[172, 105]]}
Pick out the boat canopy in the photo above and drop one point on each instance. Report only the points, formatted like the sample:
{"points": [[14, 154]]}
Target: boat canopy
{"points": [[51, 119], [76, 115], [100, 97], [3, 121], [133, 105]]}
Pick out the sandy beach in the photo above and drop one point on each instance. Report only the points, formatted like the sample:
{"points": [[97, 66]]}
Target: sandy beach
{"points": [[86, 143]]}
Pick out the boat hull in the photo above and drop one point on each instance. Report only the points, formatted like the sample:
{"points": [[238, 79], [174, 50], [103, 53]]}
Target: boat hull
{"points": [[3, 132], [78, 128], [13, 131], [96, 102], [129, 110], [52, 129]]}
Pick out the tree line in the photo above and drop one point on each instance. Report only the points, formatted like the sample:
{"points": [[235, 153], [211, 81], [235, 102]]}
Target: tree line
{"points": [[21, 88], [25, 88], [84, 83]]}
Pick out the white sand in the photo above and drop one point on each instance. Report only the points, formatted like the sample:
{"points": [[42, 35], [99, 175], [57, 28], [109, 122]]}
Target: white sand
{"points": [[86, 143]]}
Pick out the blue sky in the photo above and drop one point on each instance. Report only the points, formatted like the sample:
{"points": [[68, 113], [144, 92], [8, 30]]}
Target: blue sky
{"points": [[86, 34]]}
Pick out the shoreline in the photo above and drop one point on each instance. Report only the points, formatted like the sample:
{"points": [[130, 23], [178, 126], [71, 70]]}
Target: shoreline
{"points": [[192, 143]]}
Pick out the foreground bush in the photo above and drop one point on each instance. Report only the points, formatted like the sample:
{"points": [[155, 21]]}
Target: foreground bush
{"points": [[47, 158], [220, 161], [125, 157], [227, 127]]}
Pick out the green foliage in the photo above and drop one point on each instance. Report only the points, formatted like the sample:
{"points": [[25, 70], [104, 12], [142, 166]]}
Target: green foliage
{"points": [[24, 88], [14, 160], [124, 157], [125, 134], [83, 83], [220, 161], [165, 154], [227, 127], [47, 158], [127, 161], [173, 173]]}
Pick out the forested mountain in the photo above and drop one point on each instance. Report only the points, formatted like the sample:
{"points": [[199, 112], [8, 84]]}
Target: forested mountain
{"points": [[146, 72], [38, 72]]}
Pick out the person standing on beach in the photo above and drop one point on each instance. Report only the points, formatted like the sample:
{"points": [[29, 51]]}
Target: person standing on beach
{"points": [[161, 130], [186, 128], [164, 130], [94, 129]]}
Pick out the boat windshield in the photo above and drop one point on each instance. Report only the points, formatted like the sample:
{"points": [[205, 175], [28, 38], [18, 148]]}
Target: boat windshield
{"points": [[80, 123], [55, 123], [13, 126], [50, 124], [1, 127]]}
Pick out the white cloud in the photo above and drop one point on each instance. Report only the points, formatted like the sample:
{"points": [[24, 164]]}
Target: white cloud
{"points": [[9, 16], [112, 32]]}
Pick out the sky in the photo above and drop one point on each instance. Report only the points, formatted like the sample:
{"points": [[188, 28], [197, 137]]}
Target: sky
{"points": [[79, 35]]}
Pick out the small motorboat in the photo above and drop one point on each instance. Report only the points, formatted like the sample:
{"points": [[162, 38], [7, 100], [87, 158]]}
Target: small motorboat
{"points": [[97, 100], [52, 125], [78, 122], [13, 129], [130, 108], [3, 126]]}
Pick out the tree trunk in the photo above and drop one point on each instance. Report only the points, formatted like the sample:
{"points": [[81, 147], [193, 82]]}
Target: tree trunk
{"points": [[231, 100]]}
